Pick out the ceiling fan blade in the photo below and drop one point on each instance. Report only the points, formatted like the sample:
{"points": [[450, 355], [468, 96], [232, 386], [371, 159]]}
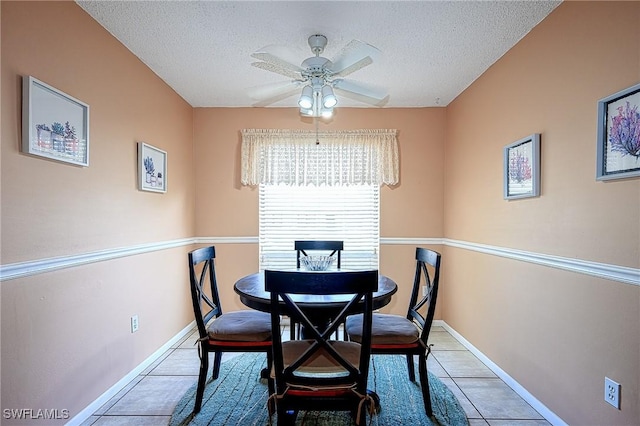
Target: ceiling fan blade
{"points": [[281, 53], [354, 67], [269, 90], [273, 100], [285, 71], [279, 56], [354, 52], [361, 92], [268, 94]]}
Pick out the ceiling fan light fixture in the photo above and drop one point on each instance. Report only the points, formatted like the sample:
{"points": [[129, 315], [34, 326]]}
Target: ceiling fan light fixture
{"points": [[326, 112], [329, 99], [306, 98], [306, 112]]}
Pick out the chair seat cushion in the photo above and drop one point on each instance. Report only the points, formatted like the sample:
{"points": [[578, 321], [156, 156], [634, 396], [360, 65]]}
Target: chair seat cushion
{"points": [[241, 326], [386, 329]]}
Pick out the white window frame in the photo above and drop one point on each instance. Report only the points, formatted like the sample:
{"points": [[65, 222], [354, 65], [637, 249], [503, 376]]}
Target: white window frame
{"points": [[347, 213]]}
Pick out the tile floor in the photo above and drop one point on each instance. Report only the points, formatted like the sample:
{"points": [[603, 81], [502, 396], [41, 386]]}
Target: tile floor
{"points": [[487, 400]]}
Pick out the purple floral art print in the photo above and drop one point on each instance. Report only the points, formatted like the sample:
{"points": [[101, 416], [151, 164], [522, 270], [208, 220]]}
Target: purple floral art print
{"points": [[619, 135], [522, 168], [624, 133]]}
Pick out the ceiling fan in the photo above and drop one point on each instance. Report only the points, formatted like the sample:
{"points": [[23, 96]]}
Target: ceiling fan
{"points": [[318, 77]]}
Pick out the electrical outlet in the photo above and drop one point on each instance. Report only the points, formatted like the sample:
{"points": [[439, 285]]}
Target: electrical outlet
{"points": [[424, 290], [134, 323], [612, 392]]}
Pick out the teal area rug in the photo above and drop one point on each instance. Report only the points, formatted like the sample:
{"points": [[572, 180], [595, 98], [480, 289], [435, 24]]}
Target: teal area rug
{"points": [[239, 397]]}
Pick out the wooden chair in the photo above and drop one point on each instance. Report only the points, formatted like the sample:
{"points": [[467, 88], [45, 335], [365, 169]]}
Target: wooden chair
{"points": [[239, 331], [319, 373], [301, 247], [407, 335]]}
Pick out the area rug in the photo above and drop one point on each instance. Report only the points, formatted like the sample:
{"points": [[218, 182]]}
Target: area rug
{"points": [[238, 397]]}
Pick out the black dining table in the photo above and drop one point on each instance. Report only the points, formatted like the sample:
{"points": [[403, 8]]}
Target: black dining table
{"points": [[318, 308]]}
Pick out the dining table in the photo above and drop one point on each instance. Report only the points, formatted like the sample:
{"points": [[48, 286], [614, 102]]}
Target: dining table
{"points": [[318, 308]]}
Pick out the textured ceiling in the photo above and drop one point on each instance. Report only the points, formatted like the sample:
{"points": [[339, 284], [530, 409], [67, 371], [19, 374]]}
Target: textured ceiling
{"points": [[431, 50]]}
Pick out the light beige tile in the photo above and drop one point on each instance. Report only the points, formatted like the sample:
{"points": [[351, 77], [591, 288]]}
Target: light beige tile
{"points": [[117, 396], [469, 410], [189, 342], [434, 367], [462, 364], [180, 362], [91, 420], [133, 421], [157, 362], [153, 396], [495, 400], [493, 422], [477, 422], [443, 341]]}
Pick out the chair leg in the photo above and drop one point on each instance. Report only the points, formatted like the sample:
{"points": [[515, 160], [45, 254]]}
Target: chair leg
{"points": [[270, 381], [202, 380], [411, 368], [292, 329], [424, 384], [216, 365]]}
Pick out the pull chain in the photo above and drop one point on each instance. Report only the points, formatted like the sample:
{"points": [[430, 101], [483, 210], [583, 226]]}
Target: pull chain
{"points": [[317, 140]]}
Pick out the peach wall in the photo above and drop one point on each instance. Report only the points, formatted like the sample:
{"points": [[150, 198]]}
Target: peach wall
{"points": [[65, 334], [413, 208], [557, 333]]}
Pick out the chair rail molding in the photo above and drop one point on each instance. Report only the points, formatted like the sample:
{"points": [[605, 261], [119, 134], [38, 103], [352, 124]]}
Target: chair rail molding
{"points": [[621, 274], [610, 272], [39, 266]]}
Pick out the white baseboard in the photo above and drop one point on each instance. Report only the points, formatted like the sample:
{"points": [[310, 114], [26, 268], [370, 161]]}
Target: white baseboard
{"points": [[113, 390], [545, 412]]}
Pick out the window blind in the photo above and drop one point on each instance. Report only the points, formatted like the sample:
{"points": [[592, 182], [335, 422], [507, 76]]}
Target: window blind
{"points": [[295, 212]]}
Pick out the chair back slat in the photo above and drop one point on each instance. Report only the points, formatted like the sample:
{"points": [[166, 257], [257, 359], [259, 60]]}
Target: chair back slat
{"points": [[335, 247]]}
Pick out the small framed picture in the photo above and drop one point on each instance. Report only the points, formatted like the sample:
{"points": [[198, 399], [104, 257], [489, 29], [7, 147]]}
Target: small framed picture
{"points": [[54, 124], [152, 168], [618, 149], [522, 168]]}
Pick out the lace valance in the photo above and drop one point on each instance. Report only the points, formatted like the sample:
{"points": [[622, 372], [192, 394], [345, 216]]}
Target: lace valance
{"points": [[300, 157]]}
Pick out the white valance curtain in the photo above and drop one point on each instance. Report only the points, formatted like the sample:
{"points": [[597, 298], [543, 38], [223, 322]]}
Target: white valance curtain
{"points": [[300, 157]]}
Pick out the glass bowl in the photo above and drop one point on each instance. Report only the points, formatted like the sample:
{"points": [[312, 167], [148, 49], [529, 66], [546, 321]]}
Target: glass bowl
{"points": [[316, 263]]}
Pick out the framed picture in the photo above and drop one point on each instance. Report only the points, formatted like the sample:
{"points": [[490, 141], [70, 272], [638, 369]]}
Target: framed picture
{"points": [[54, 124], [152, 168], [618, 150], [522, 168]]}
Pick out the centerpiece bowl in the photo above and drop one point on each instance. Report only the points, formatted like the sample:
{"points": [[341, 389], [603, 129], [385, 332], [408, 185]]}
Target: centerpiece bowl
{"points": [[316, 263]]}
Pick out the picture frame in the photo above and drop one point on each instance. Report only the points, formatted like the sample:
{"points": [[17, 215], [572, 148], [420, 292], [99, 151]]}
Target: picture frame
{"points": [[522, 168], [618, 140], [55, 125], [152, 168]]}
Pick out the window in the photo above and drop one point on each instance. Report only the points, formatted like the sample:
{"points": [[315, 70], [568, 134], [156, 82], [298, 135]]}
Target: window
{"points": [[295, 212], [319, 186]]}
